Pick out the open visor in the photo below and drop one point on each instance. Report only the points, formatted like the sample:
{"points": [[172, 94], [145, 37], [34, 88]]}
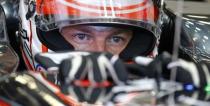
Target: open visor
{"points": [[52, 14]]}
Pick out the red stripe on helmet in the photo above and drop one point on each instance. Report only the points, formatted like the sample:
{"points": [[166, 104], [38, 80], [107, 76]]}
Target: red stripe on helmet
{"points": [[108, 7], [30, 39], [48, 7], [44, 49], [28, 65]]}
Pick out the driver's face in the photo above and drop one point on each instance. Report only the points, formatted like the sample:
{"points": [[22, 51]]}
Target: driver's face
{"points": [[97, 38]]}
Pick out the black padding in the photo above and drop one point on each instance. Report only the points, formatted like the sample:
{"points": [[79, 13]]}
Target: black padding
{"points": [[64, 70], [121, 71], [54, 40], [45, 61], [168, 30], [142, 43], [184, 76], [79, 92], [82, 68], [201, 73], [97, 75]]}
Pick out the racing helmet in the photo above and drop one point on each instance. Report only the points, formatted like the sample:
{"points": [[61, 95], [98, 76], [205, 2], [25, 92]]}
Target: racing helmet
{"points": [[141, 16]]}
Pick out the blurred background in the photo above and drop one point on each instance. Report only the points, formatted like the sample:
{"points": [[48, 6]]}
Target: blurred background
{"points": [[191, 6]]}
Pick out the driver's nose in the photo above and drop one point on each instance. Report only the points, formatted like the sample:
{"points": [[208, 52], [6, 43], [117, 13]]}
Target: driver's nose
{"points": [[99, 45]]}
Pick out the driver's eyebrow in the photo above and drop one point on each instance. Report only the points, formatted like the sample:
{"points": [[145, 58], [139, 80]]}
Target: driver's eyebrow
{"points": [[120, 31], [92, 29]]}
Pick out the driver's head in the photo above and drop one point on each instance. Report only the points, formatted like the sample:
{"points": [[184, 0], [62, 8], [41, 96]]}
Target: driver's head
{"points": [[124, 27]]}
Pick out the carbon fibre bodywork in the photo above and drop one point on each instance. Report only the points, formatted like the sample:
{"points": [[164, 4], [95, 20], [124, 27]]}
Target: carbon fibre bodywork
{"points": [[195, 39]]}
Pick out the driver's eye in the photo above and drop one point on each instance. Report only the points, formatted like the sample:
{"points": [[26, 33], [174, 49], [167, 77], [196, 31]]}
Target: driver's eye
{"points": [[116, 40], [82, 38]]}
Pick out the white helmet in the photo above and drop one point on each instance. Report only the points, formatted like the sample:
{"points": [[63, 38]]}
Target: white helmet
{"points": [[40, 20]]}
